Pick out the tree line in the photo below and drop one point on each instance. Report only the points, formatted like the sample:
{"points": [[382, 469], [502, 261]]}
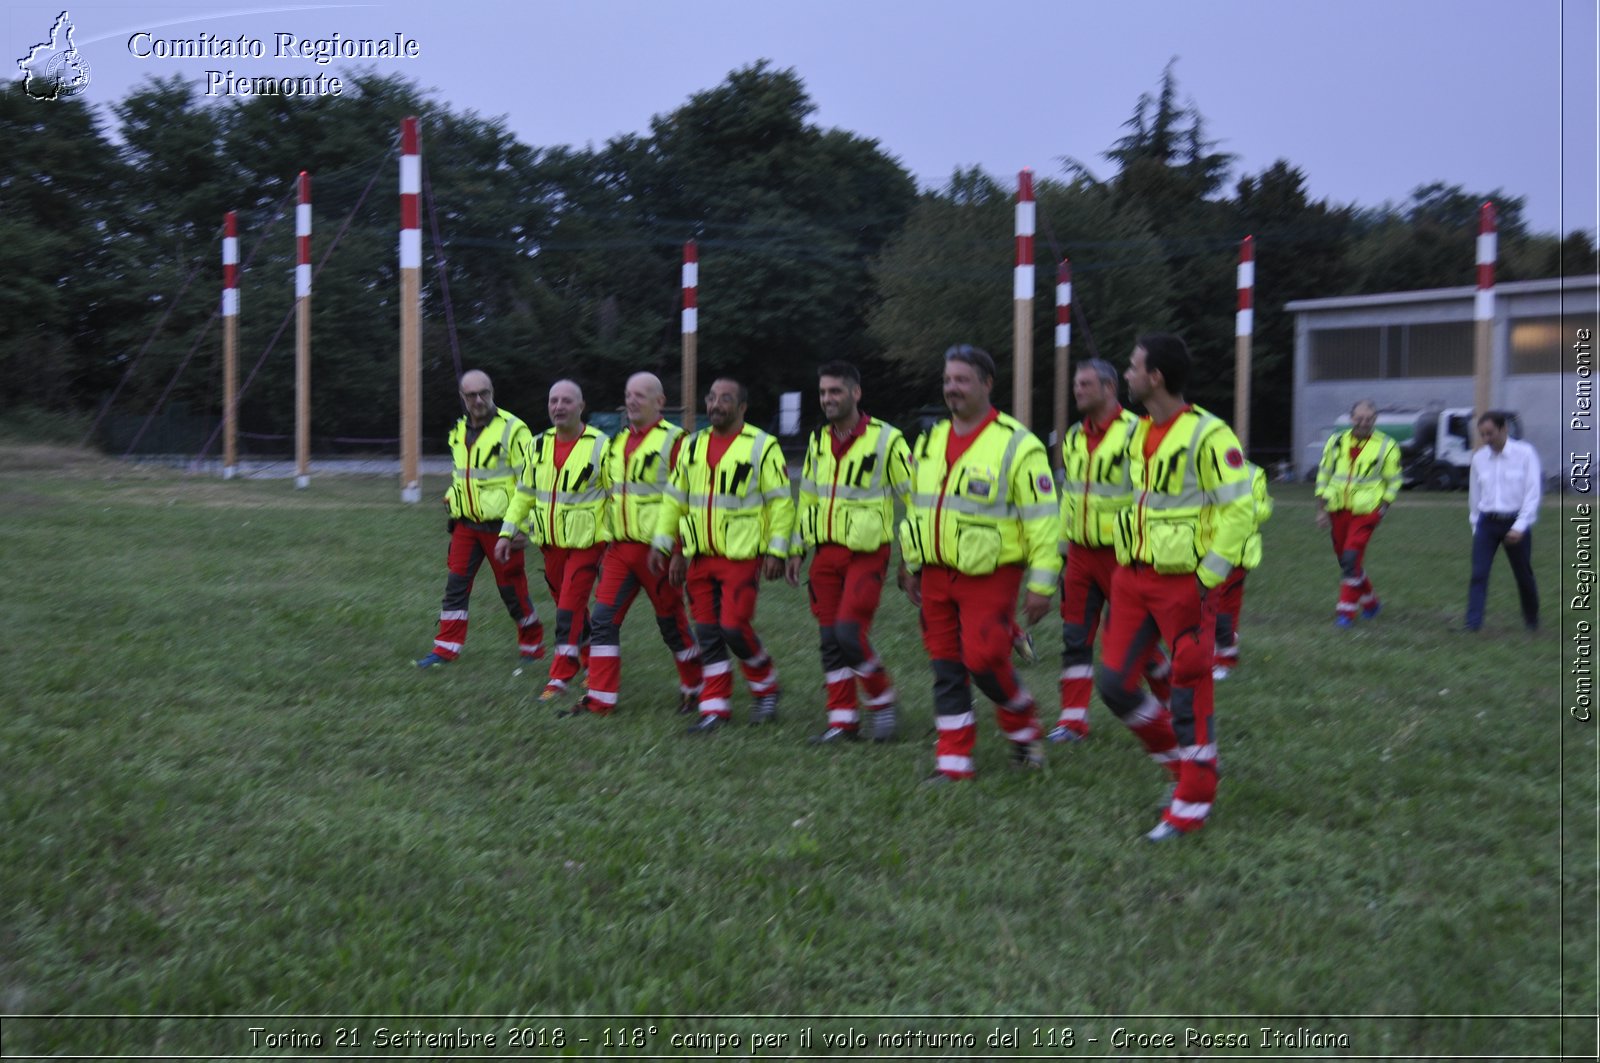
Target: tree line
{"points": [[815, 244]]}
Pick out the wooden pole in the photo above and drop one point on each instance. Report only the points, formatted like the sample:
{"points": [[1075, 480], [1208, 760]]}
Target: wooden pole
{"points": [[230, 345], [302, 337], [1063, 356], [691, 332], [1243, 330], [410, 313], [1022, 304], [1483, 318]]}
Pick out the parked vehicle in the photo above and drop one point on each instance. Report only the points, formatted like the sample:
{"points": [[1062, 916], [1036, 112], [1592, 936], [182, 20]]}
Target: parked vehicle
{"points": [[1435, 444]]}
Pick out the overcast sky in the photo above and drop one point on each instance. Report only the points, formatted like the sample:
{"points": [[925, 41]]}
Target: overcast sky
{"points": [[1370, 98]]}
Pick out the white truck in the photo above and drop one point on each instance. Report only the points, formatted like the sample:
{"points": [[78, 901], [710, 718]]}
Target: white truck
{"points": [[1435, 444]]}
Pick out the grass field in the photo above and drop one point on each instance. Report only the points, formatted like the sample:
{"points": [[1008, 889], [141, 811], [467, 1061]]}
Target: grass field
{"points": [[226, 792]]}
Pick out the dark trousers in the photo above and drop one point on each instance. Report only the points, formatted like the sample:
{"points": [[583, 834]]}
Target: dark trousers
{"points": [[1490, 534]]}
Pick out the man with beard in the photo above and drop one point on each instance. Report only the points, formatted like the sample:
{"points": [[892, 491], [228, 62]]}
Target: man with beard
{"points": [[731, 493]]}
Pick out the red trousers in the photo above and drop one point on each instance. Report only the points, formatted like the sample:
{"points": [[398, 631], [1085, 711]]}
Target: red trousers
{"points": [[722, 600], [570, 575], [845, 588], [1351, 533], [1230, 604], [623, 573], [1085, 591], [469, 548], [966, 629], [1145, 606]]}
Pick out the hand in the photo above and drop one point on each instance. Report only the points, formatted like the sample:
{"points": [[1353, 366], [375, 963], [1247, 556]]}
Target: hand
{"points": [[1323, 520], [911, 583], [1513, 537], [449, 525], [502, 550], [657, 562], [678, 570], [791, 570], [1034, 606], [772, 567], [519, 541]]}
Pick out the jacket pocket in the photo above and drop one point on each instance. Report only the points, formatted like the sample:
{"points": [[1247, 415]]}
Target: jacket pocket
{"points": [[1172, 546], [577, 529], [863, 530], [977, 549], [741, 536]]}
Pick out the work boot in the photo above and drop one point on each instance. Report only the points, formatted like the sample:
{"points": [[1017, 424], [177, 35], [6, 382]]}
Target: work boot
{"points": [[705, 725], [431, 660], [1027, 756], [885, 723], [765, 709], [1061, 733], [834, 736], [689, 703], [1164, 832]]}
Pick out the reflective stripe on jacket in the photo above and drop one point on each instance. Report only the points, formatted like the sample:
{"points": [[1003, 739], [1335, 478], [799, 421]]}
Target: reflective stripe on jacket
{"points": [[483, 477], [560, 507], [1095, 488], [635, 483], [1193, 508], [740, 510], [1262, 502], [996, 506], [850, 500], [1362, 485]]}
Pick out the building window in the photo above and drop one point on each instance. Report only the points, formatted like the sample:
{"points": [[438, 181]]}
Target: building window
{"points": [[1444, 349], [1345, 353], [1535, 345]]}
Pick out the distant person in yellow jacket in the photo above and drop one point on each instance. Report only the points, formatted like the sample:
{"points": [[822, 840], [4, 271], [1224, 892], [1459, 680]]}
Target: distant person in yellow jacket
{"points": [[489, 449], [728, 501], [1357, 479], [1177, 544], [1230, 596]]}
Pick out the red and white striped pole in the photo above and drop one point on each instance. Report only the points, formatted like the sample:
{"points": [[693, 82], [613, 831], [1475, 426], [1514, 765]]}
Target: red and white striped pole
{"points": [[230, 345], [1244, 325], [302, 336], [691, 330], [1022, 304], [410, 312], [1063, 354], [1483, 316]]}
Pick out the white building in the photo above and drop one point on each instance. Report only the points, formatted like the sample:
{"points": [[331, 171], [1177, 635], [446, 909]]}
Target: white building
{"points": [[1416, 349]]}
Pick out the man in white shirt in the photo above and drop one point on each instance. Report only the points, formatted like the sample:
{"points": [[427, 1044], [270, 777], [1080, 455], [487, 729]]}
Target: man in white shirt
{"points": [[1502, 503]]}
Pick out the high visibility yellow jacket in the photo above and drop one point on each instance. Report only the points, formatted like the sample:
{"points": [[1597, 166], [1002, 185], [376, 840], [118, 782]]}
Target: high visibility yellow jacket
{"points": [[560, 507], [996, 506], [850, 501], [740, 510], [635, 483], [1263, 512], [483, 477], [1095, 488], [1192, 507], [1361, 485]]}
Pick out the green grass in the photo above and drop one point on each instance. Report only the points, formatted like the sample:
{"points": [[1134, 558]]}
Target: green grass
{"points": [[226, 792]]}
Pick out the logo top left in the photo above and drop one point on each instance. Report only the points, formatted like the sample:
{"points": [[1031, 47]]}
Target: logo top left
{"points": [[55, 69]]}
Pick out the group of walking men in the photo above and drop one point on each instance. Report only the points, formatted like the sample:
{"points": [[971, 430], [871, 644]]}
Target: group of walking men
{"points": [[1157, 519]]}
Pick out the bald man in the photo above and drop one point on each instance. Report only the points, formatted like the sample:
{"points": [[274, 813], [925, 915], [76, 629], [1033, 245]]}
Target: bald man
{"points": [[635, 470], [490, 450], [559, 507]]}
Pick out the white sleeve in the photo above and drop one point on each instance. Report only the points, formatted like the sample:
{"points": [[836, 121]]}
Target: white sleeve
{"points": [[1529, 511]]}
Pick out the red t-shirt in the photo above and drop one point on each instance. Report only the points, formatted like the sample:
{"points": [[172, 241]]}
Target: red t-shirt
{"points": [[1093, 433], [563, 450], [958, 444], [1158, 432], [718, 445], [842, 444]]}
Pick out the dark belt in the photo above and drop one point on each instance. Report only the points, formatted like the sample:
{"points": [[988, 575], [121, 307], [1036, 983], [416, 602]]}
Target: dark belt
{"points": [[1508, 517]]}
